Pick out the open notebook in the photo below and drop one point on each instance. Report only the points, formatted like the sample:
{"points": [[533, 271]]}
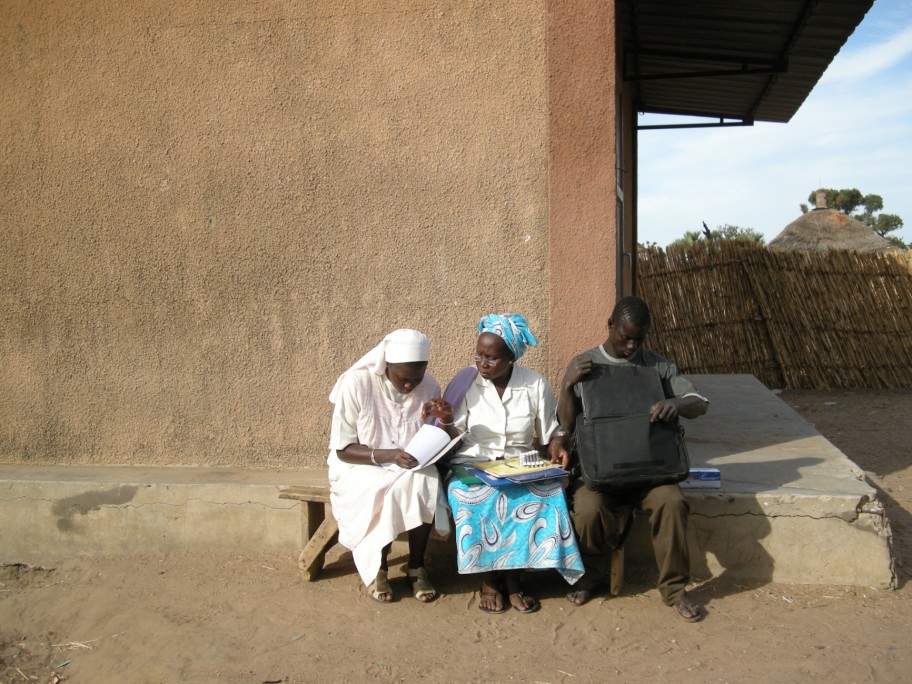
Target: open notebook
{"points": [[428, 446]]}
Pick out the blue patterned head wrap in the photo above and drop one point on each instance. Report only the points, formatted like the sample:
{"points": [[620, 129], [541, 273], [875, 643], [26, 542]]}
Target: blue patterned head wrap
{"points": [[512, 328]]}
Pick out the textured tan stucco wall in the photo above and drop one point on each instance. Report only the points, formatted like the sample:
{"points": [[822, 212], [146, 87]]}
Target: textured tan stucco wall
{"points": [[210, 209], [583, 176]]}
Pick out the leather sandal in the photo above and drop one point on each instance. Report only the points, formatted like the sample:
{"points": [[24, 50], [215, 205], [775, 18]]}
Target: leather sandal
{"points": [[381, 587], [422, 588], [688, 609], [495, 598], [524, 603], [579, 597]]}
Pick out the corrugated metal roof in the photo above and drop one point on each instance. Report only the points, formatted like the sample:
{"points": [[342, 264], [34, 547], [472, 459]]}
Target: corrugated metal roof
{"points": [[771, 52]]}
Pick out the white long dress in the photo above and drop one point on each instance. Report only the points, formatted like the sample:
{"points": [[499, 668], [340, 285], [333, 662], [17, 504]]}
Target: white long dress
{"points": [[373, 505]]}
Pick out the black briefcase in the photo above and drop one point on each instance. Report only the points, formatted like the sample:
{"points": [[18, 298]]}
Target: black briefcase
{"points": [[616, 444]]}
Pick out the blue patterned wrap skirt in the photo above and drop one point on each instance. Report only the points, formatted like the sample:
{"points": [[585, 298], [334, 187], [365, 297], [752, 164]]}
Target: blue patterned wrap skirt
{"points": [[514, 527]]}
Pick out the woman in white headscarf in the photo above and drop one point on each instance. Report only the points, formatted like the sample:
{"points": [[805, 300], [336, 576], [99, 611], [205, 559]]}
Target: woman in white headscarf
{"points": [[380, 403]]}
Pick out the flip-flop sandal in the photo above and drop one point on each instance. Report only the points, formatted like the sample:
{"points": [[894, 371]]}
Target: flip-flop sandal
{"points": [[379, 587], [495, 597], [688, 610], [422, 588], [579, 597], [518, 598]]}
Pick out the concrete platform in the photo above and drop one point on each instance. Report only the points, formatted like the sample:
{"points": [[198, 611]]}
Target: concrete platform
{"points": [[49, 513], [792, 507]]}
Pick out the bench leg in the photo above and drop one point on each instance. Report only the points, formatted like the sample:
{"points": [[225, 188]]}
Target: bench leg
{"points": [[314, 553], [320, 533], [616, 574], [315, 513]]}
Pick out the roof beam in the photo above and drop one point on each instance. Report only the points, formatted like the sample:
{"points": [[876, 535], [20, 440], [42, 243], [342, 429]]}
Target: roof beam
{"points": [[744, 65], [722, 123]]}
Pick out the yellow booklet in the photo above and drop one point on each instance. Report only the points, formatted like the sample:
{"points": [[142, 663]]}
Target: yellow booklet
{"points": [[510, 466]]}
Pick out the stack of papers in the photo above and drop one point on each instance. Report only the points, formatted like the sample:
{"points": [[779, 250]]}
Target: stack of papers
{"points": [[509, 471]]}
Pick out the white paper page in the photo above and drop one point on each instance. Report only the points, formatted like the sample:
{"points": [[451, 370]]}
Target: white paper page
{"points": [[428, 445]]}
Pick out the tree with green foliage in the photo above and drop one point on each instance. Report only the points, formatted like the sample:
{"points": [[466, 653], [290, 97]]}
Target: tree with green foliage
{"points": [[864, 208], [724, 232], [729, 232]]}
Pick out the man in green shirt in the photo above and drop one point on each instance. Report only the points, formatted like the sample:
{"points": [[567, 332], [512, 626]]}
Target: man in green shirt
{"points": [[595, 513]]}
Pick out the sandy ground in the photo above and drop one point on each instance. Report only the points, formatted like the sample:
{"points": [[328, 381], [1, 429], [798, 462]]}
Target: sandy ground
{"points": [[192, 618]]}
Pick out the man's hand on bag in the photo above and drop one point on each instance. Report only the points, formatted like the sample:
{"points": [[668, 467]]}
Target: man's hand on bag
{"points": [[663, 411]]}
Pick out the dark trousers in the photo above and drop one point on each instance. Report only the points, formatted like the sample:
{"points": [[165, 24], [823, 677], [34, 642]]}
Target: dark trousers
{"points": [[596, 522]]}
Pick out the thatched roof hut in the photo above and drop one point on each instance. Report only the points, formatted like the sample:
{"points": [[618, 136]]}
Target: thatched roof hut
{"points": [[822, 229]]}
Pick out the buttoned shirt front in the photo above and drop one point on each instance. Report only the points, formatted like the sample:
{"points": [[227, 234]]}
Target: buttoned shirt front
{"points": [[498, 427]]}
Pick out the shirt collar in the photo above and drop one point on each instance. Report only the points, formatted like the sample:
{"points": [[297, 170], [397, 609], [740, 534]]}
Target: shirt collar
{"points": [[513, 382], [620, 362]]}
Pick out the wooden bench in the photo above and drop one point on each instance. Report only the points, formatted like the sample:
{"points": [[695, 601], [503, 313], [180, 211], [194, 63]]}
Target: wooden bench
{"points": [[319, 528], [321, 532]]}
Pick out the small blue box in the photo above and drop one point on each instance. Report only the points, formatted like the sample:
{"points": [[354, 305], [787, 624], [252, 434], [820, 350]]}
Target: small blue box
{"points": [[703, 477]]}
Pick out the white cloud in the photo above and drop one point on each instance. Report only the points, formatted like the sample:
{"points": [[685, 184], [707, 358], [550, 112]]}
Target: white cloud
{"points": [[871, 60]]}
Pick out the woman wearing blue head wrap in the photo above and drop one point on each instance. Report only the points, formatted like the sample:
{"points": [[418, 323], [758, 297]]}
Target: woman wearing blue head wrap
{"points": [[512, 328], [505, 410]]}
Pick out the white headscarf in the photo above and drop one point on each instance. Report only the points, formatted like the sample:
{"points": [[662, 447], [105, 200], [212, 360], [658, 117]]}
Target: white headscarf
{"points": [[400, 346]]}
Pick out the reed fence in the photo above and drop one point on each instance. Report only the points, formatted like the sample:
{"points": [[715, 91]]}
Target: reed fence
{"points": [[798, 320]]}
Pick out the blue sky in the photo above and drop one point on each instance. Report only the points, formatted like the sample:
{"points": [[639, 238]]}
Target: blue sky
{"points": [[853, 131]]}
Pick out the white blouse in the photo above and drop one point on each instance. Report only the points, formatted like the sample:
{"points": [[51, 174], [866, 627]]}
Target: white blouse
{"points": [[499, 427]]}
